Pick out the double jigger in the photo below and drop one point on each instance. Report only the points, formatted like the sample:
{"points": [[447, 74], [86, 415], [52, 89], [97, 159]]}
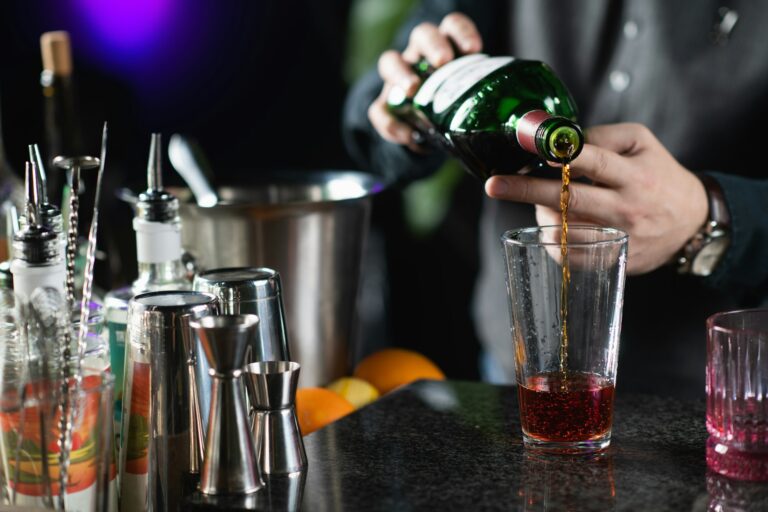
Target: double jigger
{"points": [[238, 451]]}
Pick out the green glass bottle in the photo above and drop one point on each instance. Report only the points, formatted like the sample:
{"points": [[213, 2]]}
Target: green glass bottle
{"points": [[495, 114]]}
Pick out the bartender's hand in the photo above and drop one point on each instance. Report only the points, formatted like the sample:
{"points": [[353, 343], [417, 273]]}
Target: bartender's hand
{"points": [[637, 186], [426, 41]]}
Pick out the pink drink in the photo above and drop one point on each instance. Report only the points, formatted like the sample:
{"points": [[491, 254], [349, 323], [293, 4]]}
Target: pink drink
{"points": [[737, 394]]}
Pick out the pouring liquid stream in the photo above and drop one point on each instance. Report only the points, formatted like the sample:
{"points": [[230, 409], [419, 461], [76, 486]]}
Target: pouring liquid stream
{"points": [[565, 195]]}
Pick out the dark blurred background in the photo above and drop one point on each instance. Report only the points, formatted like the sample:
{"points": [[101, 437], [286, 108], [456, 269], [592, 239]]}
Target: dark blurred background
{"points": [[259, 84]]}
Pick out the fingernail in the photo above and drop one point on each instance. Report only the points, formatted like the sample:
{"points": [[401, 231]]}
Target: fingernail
{"points": [[495, 187], [468, 46]]}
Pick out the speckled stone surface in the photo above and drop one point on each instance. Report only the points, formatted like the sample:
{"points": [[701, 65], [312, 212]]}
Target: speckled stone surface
{"points": [[457, 446]]}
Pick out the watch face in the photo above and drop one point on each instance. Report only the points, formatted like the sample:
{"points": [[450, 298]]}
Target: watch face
{"points": [[709, 256]]}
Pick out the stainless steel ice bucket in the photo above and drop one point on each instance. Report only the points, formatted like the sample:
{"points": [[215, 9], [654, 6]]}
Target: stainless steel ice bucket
{"points": [[310, 226]]}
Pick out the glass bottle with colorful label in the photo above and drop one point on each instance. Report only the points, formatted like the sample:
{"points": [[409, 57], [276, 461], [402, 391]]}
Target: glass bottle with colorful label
{"points": [[158, 250]]}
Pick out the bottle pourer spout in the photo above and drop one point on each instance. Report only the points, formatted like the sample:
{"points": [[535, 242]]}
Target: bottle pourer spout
{"points": [[36, 159], [155, 164], [33, 194]]}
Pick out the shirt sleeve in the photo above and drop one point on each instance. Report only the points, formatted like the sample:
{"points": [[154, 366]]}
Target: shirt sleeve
{"points": [[745, 264], [394, 162]]}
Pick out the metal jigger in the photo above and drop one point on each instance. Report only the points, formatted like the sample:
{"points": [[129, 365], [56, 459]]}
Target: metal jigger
{"points": [[231, 466], [275, 426]]}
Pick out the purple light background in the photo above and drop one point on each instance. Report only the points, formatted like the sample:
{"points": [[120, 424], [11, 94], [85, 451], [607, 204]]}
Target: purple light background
{"points": [[128, 28], [152, 44]]}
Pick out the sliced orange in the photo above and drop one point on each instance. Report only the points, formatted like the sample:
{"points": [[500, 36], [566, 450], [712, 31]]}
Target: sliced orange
{"points": [[317, 407], [394, 367]]}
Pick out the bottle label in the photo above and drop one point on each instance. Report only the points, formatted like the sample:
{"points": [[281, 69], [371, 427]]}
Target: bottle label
{"points": [[134, 486], [463, 79], [116, 333], [135, 430], [427, 90]]}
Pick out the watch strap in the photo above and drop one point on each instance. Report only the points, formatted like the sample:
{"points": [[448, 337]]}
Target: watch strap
{"points": [[718, 223], [718, 209]]}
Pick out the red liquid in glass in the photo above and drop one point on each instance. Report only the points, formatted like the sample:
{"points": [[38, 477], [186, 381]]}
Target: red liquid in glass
{"points": [[739, 436], [576, 408]]}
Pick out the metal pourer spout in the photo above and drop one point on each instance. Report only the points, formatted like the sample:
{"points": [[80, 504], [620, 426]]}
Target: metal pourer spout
{"points": [[49, 214], [155, 165], [33, 194], [155, 204], [37, 161], [35, 243]]}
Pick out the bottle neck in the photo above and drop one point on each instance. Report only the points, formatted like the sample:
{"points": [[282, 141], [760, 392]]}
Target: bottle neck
{"points": [[168, 275], [552, 138], [423, 69], [61, 126], [158, 249]]}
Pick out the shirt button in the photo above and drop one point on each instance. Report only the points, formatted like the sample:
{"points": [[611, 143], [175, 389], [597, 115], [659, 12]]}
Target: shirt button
{"points": [[631, 29], [619, 80]]}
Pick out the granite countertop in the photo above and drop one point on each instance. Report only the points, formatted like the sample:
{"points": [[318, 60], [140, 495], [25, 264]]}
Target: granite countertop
{"points": [[458, 446], [448, 445]]}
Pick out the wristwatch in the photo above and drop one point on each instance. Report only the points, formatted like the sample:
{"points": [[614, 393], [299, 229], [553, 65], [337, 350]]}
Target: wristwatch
{"points": [[702, 253]]}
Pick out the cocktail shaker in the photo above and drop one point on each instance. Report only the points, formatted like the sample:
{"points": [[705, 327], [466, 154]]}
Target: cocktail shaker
{"points": [[245, 290], [231, 464], [272, 388], [256, 291], [158, 441]]}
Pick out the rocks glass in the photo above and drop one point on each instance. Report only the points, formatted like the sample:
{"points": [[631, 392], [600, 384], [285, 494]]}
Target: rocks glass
{"points": [[737, 394]]}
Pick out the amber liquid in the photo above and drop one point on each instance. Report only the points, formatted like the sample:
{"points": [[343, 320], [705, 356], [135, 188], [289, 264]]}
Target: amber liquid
{"points": [[564, 198], [553, 410]]}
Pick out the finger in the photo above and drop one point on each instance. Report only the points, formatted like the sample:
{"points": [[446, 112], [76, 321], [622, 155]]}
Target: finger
{"points": [[600, 204], [394, 70], [601, 166], [546, 216], [621, 138], [386, 124], [462, 32], [427, 41]]}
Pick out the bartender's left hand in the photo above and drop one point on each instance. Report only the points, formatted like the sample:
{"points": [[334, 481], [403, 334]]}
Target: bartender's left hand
{"points": [[636, 185]]}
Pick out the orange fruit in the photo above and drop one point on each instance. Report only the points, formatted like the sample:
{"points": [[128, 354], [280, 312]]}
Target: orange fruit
{"points": [[394, 367], [317, 407]]}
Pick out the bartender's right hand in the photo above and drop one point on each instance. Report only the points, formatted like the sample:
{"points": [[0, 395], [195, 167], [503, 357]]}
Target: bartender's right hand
{"points": [[426, 41]]}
